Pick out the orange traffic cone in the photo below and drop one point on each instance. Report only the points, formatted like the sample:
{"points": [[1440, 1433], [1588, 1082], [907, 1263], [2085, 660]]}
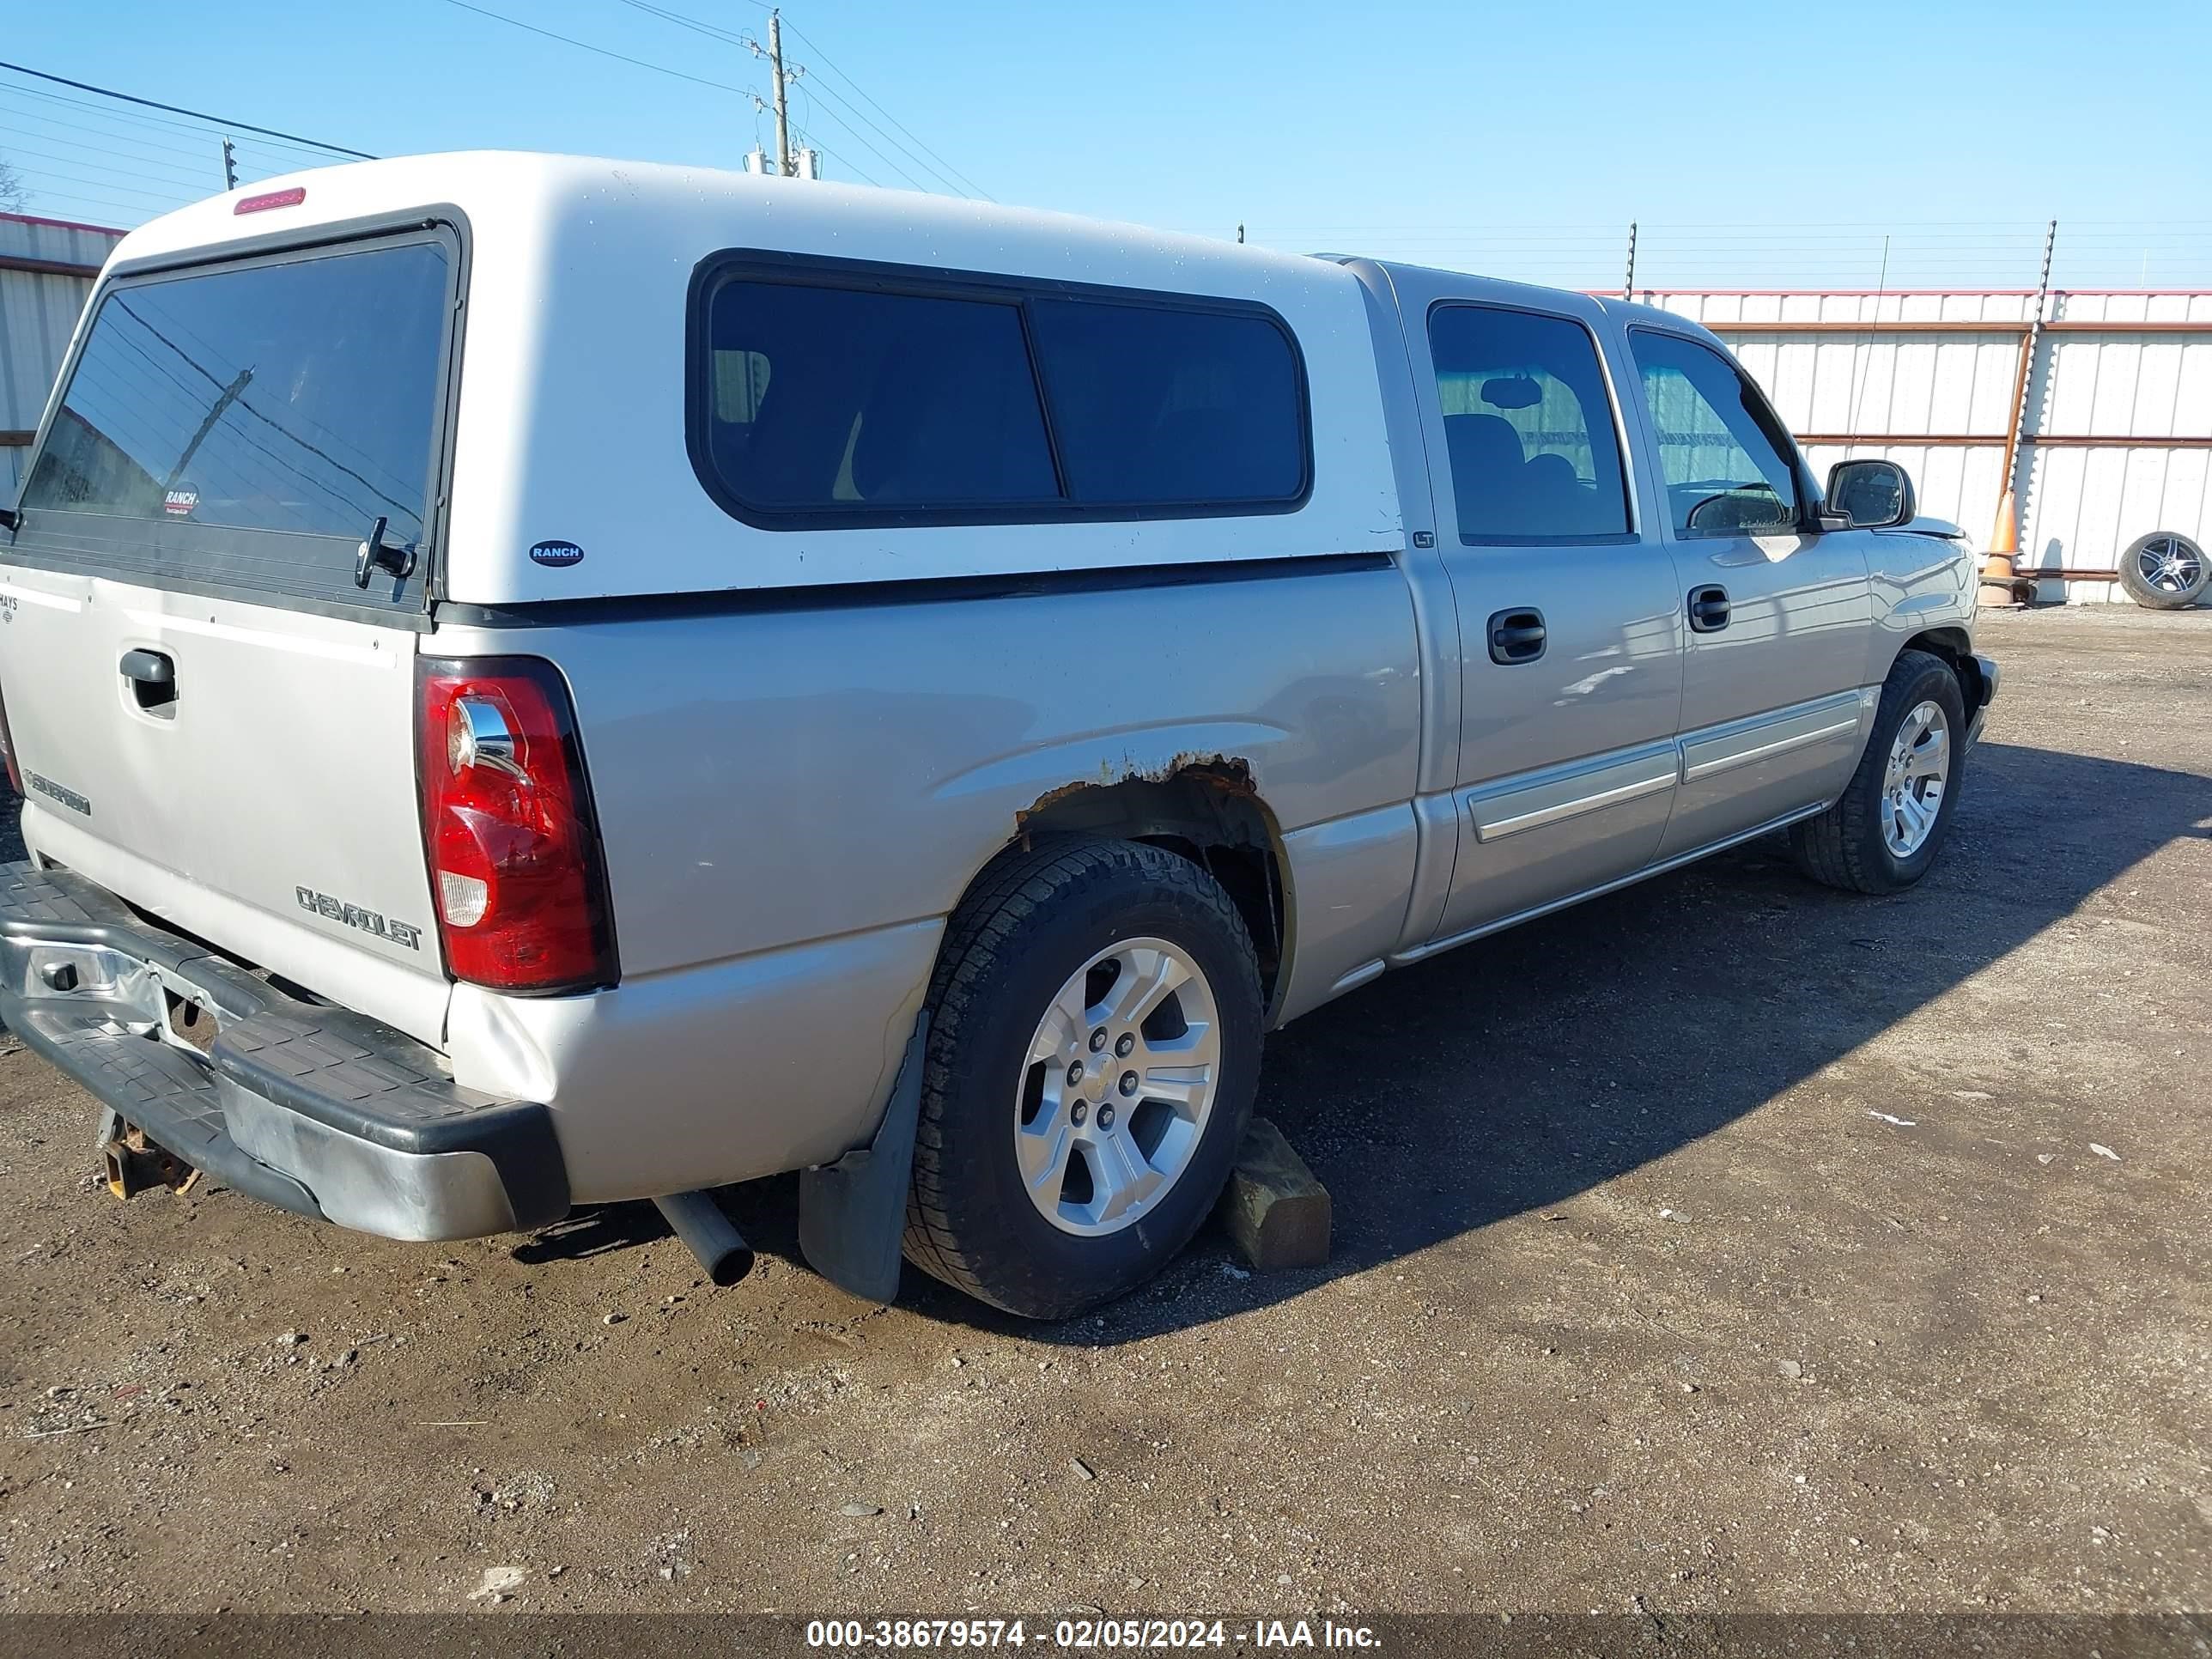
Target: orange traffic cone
{"points": [[1998, 564]]}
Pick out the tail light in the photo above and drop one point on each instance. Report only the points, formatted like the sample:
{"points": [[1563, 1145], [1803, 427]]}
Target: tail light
{"points": [[516, 869], [8, 750]]}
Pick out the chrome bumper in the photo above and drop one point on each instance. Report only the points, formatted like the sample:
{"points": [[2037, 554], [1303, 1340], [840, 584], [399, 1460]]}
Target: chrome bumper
{"points": [[316, 1109]]}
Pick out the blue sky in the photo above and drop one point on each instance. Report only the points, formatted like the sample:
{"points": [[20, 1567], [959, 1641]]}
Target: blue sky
{"points": [[1757, 145]]}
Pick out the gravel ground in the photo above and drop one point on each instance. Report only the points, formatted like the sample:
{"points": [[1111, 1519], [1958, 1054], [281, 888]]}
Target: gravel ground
{"points": [[1723, 1245]]}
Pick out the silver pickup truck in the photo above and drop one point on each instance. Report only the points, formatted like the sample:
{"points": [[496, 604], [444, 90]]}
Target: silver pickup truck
{"points": [[538, 682]]}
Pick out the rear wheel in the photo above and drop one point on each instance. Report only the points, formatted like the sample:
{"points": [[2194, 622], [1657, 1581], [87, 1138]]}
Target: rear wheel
{"points": [[2164, 571], [1093, 1049], [1885, 832]]}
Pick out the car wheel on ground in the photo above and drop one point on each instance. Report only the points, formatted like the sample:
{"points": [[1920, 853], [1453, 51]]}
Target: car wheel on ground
{"points": [[1094, 1044], [2165, 571], [1883, 834]]}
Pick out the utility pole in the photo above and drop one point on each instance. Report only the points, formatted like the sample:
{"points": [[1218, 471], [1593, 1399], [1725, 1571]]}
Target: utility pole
{"points": [[783, 164], [1628, 283], [229, 166]]}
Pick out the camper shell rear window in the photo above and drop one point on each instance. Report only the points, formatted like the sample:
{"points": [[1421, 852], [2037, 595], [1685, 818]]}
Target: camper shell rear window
{"points": [[833, 394], [243, 428]]}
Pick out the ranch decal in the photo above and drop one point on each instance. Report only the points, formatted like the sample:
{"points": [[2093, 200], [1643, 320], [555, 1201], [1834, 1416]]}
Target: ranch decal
{"points": [[179, 502], [559, 555]]}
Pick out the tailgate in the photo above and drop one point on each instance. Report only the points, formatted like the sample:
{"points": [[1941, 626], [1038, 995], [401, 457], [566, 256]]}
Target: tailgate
{"points": [[212, 699]]}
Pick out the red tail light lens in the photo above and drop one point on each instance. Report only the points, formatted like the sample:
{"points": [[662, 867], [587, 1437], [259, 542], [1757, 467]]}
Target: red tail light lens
{"points": [[516, 872]]}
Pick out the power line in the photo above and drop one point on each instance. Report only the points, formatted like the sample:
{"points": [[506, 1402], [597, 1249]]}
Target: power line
{"points": [[815, 84], [152, 124], [197, 115], [171, 198], [19, 150], [861, 92], [640, 63], [105, 124], [621, 57], [746, 42], [808, 88]]}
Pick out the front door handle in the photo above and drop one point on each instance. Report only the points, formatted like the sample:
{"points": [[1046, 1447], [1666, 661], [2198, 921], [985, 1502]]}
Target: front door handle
{"points": [[1709, 609], [1517, 636]]}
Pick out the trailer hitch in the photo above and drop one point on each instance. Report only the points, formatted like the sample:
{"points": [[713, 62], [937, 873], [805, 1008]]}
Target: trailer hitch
{"points": [[134, 1164]]}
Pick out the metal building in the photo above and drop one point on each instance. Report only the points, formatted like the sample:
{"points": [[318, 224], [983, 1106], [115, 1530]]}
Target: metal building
{"points": [[2100, 419], [46, 268], [2105, 435]]}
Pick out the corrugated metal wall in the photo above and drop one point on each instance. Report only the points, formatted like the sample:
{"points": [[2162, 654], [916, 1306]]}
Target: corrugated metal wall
{"points": [[47, 269], [2117, 441], [2118, 438]]}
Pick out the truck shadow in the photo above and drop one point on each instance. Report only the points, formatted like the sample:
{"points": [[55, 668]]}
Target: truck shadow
{"points": [[1514, 1073]]}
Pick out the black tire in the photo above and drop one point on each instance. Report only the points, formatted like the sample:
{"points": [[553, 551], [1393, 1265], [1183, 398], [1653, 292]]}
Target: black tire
{"points": [[1845, 847], [2185, 573], [1031, 921]]}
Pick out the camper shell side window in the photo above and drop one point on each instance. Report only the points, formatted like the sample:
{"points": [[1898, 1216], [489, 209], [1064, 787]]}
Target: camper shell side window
{"points": [[831, 393]]}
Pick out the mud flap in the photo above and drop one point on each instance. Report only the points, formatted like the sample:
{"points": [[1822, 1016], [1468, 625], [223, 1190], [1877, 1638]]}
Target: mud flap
{"points": [[852, 1214]]}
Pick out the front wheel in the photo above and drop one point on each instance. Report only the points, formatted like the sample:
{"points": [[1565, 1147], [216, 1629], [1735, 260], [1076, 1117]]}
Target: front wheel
{"points": [[1885, 832], [1093, 1050]]}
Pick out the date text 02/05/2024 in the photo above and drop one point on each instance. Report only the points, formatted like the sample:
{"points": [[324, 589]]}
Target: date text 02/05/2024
{"points": [[1087, 1633]]}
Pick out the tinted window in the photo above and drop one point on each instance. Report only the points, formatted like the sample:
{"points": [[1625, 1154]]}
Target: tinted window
{"points": [[1527, 427], [816, 403], [1158, 406], [1725, 473], [830, 397], [296, 397]]}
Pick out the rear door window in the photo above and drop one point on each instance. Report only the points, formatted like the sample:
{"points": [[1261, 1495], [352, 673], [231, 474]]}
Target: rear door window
{"points": [[1528, 427], [246, 427]]}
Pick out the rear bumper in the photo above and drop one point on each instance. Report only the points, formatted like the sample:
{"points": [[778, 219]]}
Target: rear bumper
{"points": [[316, 1109], [1983, 675]]}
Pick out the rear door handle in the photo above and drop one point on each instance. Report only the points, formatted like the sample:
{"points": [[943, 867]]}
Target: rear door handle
{"points": [[1517, 636], [1709, 609]]}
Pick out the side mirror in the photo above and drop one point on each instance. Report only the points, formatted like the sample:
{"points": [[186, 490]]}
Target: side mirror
{"points": [[1870, 494]]}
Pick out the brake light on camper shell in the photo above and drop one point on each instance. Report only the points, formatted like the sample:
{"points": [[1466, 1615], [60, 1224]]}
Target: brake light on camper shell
{"points": [[516, 869], [270, 199]]}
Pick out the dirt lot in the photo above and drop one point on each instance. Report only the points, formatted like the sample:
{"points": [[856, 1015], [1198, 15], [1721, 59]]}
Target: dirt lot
{"points": [[1726, 1244]]}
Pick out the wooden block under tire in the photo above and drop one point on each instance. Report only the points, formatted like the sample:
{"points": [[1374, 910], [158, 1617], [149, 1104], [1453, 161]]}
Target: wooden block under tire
{"points": [[1274, 1209]]}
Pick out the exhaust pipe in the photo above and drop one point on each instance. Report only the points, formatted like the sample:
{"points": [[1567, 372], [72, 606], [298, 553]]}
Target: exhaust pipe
{"points": [[696, 1220]]}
